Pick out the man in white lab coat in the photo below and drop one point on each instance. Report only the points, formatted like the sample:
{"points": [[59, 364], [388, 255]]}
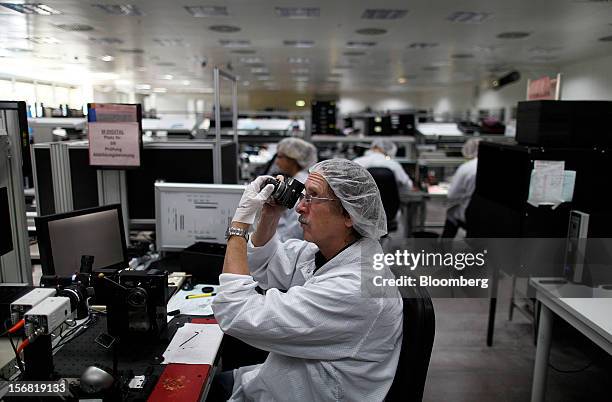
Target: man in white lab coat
{"points": [[329, 338], [461, 189], [380, 155], [294, 157]]}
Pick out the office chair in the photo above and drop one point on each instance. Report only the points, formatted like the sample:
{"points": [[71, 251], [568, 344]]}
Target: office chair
{"points": [[389, 193], [417, 342]]}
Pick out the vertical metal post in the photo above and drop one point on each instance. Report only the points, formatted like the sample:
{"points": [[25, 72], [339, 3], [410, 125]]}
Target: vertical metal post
{"points": [[235, 124], [112, 189], [217, 149]]}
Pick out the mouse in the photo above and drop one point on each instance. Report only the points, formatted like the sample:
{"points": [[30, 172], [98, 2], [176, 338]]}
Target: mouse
{"points": [[95, 379], [207, 289]]}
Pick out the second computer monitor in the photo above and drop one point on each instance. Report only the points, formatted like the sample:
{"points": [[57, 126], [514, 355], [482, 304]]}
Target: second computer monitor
{"points": [[64, 238]]}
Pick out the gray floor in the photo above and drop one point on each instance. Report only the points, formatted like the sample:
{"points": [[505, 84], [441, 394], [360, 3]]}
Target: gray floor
{"points": [[463, 368]]}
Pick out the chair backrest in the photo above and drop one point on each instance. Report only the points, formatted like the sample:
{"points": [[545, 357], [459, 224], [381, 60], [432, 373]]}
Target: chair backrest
{"points": [[389, 193], [417, 342]]}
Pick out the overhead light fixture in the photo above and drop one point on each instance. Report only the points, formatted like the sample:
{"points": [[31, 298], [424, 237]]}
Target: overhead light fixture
{"points": [[298, 60], [422, 45], [371, 31], [75, 27], [263, 77], [119, 9], [300, 71], [167, 76], [170, 42], [301, 79], [401, 80], [133, 51], [299, 43], [383, 14], [246, 83], [260, 70], [31, 8], [462, 56], [143, 87], [298, 12], [250, 60], [243, 51], [235, 42], [605, 39], [504, 80], [43, 40], [207, 11], [360, 44], [160, 90], [353, 53], [513, 35], [186, 82], [224, 28], [165, 64], [468, 17], [300, 103], [107, 58], [107, 41]]}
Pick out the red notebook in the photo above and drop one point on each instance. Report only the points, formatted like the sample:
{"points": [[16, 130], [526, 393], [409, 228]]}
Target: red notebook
{"points": [[181, 383]]}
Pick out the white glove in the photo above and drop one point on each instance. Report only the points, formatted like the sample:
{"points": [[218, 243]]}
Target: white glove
{"points": [[252, 200]]}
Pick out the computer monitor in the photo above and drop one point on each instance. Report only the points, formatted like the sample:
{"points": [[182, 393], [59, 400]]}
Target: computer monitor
{"points": [[6, 236], [64, 238], [189, 213]]}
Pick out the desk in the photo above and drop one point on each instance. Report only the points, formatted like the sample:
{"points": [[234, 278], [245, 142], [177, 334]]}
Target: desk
{"points": [[591, 316], [414, 209]]}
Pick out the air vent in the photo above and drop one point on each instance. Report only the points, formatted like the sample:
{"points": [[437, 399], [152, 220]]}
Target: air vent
{"points": [[462, 56], [383, 14], [170, 42], [468, 17], [43, 40], [300, 71], [75, 27], [250, 60], [422, 45], [299, 43], [207, 11], [132, 51], [298, 60], [513, 35], [106, 41], [360, 44], [371, 31], [224, 28], [31, 8], [260, 70], [119, 9], [243, 51], [234, 43], [298, 12], [544, 50], [165, 64], [354, 53]]}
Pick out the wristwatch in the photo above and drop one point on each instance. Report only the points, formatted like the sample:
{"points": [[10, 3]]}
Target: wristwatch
{"points": [[234, 231]]}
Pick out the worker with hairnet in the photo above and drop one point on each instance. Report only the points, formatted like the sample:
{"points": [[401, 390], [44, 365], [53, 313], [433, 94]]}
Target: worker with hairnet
{"points": [[328, 338], [380, 155], [294, 157], [461, 189]]}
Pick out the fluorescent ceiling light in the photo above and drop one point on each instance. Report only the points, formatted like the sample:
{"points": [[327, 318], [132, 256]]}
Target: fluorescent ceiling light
{"points": [[468, 17], [250, 60], [360, 44], [143, 87], [235, 42], [107, 58], [170, 42], [298, 60], [299, 43], [207, 11], [186, 82], [31, 8], [300, 103], [383, 14], [107, 41], [119, 9], [167, 76], [43, 40], [298, 12], [75, 27], [160, 90]]}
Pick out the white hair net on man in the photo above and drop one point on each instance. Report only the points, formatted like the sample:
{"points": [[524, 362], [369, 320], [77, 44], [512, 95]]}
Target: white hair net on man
{"points": [[358, 193], [304, 153], [470, 148], [387, 146]]}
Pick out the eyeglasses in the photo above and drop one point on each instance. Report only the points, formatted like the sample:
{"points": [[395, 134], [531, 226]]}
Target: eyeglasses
{"points": [[308, 199]]}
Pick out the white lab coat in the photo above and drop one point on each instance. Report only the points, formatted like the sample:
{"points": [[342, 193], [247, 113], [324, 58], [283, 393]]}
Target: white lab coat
{"points": [[376, 159], [288, 225], [460, 191], [327, 340]]}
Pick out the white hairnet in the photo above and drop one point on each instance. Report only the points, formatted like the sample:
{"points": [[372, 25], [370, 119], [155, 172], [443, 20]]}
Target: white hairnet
{"points": [[386, 145], [470, 148], [358, 193], [304, 153]]}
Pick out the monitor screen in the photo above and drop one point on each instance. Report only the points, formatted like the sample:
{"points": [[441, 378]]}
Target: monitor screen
{"points": [[6, 237], [191, 213], [64, 238]]}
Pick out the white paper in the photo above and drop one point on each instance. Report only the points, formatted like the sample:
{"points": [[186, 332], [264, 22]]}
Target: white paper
{"points": [[194, 344], [546, 185], [569, 180], [200, 306]]}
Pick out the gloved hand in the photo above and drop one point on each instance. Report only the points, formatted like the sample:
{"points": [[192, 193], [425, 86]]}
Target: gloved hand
{"points": [[253, 199]]}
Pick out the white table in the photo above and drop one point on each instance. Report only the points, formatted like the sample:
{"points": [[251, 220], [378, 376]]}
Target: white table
{"points": [[586, 309]]}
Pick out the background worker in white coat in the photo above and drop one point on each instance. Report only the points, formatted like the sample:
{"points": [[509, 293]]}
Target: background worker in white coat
{"points": [[380, 155], [294, 157], [327, 340], [461, 189]]}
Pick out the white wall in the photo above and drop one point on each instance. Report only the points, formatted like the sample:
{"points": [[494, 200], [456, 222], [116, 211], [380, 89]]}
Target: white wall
{"points": [[591, 80], [355, 102]]}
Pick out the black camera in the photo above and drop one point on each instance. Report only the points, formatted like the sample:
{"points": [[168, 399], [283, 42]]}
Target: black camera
{"points": [[286, 193]]}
